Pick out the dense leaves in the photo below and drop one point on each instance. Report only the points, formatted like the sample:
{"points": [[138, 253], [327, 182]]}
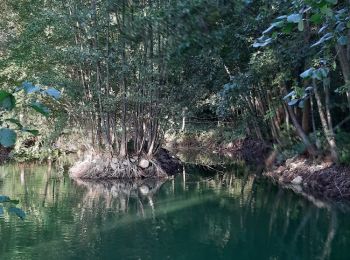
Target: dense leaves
{"points": [[130, 71]]}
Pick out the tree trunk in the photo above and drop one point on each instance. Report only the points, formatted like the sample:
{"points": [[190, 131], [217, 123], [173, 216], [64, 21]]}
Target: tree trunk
{"points": [[123, 141], [310, 147], [326, 128], [345, 67]]}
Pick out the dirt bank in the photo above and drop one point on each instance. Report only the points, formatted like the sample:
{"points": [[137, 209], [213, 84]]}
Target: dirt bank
{"points": [[101, 167], [322, 180]]}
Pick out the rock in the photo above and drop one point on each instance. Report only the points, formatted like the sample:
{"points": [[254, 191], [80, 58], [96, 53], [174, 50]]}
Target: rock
{"points": [[144, 190], [143, 163], [297, 180]]}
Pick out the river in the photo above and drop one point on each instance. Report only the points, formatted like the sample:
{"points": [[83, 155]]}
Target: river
{"points": [[201, 214]]}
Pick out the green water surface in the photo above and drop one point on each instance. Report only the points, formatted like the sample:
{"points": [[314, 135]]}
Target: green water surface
{"points": [[198, 215]]}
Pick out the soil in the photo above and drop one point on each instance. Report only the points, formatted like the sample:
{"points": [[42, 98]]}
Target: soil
{"points": [[322, 180]]}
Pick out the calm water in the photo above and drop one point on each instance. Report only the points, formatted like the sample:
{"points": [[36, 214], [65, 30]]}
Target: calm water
{"points": [[230, 215]]}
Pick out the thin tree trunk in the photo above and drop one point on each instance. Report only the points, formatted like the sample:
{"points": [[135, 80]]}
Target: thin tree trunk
{"points": [[326, 128], [123, 142], [310, 147], [345, 67]]}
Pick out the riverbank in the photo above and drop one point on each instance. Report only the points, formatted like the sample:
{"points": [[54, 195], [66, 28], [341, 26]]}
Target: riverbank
{"points": [[237, 147], [320, 179]]}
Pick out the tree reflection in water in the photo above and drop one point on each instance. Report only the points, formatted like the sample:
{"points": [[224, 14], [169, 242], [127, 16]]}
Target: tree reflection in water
{"points": [[117, 193], [8, 205], [221, 227], [225, 211]]}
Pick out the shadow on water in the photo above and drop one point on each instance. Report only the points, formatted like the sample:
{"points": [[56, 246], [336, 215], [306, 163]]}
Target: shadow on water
{"points": [[201, 214]]}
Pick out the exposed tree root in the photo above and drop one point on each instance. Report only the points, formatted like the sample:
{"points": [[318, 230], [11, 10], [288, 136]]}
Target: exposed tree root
{"points": [[102, 167]]}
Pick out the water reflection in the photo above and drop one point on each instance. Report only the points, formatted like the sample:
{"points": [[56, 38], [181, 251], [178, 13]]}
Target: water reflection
{"points": [[117, 193], [198, 215], [9, 205]]}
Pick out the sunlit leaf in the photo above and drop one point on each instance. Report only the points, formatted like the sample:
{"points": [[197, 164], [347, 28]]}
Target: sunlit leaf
{"points": [[7, 137], [307, 73], [340, 27], [309, 89], [301, 26], [41, 108], [29, 88], [31, 131], [15, 121], [322, 29], [291, 94], [53, 93], [262, 42], [325, 38], [7, 100], [293, 102], [294, 18], [274, 25], [281, 17]]}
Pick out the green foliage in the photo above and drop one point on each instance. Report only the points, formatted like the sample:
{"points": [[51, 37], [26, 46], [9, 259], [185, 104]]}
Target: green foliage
{"points": [[343, 139], [7, 100], [128, 70], [8, 136]]}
